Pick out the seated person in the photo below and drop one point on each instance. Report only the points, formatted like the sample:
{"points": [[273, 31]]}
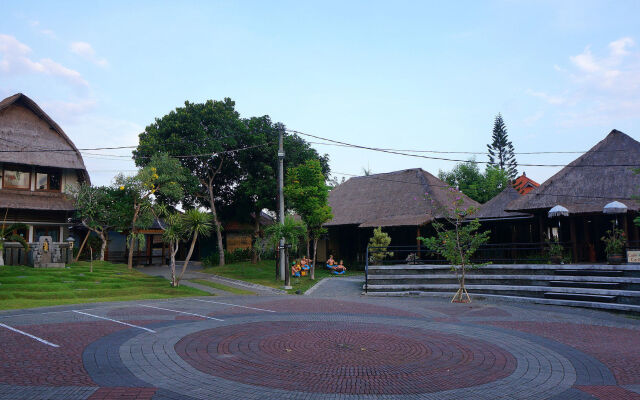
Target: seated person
{"points": [[295, 269], [339, 268], [331, 262]]}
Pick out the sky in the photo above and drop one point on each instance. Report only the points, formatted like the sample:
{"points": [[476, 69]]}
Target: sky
{"points": [[421, 75]]}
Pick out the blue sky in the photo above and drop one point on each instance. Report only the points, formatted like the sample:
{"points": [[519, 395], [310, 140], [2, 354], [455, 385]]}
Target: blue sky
{"points": [[395, 74]]}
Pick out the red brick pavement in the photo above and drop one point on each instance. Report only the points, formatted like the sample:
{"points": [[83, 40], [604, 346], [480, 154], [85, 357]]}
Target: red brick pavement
{"points": [[338, 357], [313, 305], [609, 392], [27, 362], [617, 348]]}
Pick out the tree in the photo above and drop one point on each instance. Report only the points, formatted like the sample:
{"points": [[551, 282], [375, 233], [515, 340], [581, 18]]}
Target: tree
{"points": [[7, 234], [257, 186], [173, 234], [309, 196], [480, 186], [457, 240], [207, 136], [194, 223], [501, 150], [99, 208], [379, 243], [161, 176], [292, 231]]}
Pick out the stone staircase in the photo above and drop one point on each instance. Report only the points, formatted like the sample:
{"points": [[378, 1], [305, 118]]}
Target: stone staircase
{"points": [[613, 287]]}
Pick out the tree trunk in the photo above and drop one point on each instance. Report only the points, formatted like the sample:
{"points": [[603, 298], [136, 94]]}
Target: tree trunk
{"points": [[256, 236], [287, 269], [133, 240], [186, 260], [308, 241], [103, 237], [82, 245], [173, 250], [313, 262], [216, 222], [1, 254]]}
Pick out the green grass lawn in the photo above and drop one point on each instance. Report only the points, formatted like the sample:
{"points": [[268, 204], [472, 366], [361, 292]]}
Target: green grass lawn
{"points": [[26, 287], [220, 286], [263, 273]]}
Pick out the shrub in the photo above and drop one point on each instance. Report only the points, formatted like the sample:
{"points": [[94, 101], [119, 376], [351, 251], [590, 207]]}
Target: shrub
{"points": [[235, 256]]}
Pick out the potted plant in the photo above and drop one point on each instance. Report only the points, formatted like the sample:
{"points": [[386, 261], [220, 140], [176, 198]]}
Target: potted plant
{"points": [[555, 251], [615, 241]]}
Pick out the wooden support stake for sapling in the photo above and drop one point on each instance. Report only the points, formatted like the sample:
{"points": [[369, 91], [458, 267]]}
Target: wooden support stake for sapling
{"points": [[91, 259]]}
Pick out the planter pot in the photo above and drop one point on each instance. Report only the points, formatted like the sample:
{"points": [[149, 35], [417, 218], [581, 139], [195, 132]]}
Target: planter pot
{"points": [[555, 259], [615, 259]]}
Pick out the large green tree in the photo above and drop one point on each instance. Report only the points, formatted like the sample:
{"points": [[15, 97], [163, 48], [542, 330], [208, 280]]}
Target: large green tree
{"points": [[308, 194], [257, 187], [205, 137], [501, 153], [99, 209], [162, 176], [480, 186]]}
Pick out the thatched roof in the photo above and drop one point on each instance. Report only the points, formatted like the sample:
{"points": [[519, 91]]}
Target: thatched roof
{"points": [[37, 200], [25, 126], [496, 207], [600, 176], [401, 198]]}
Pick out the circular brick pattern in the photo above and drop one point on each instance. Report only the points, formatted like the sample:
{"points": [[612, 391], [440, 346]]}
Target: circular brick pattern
{"points": [[368, 358]]}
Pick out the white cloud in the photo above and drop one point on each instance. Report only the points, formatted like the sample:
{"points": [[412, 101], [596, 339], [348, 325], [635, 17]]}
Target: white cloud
{"points": [[601, 87], [67, 111], [16, 60], [547, 97], [86, 51]]}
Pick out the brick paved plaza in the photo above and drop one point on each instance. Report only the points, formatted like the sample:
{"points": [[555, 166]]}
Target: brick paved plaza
{"points": [[304, 347]]}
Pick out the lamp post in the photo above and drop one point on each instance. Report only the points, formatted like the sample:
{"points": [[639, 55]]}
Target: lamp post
{"points": [[71, 242]]}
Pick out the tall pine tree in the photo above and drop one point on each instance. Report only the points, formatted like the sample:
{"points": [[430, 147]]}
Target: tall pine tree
{"points": [[501, 150]]}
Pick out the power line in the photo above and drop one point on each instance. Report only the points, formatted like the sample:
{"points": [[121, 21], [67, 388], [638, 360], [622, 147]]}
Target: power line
{"points": [[448, 186], [457, 160]]}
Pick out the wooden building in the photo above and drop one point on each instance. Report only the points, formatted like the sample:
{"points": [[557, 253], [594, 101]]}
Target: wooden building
{"points": [[38, 162], [602, 175], [403, 203]]}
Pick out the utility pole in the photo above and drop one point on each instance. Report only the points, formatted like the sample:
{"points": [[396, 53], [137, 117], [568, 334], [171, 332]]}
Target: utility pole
{"points": [[283, 261]]}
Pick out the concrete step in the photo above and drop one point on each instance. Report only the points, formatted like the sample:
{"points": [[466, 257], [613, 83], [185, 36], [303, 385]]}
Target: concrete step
{"points": [[589, 272], [580, 297], [586, 284], [623, 296], [518, 299], [631, 270]]}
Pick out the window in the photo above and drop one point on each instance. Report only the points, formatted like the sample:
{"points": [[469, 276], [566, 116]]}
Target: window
{"points": [[16, 178], [48, 180], [53, 231]]}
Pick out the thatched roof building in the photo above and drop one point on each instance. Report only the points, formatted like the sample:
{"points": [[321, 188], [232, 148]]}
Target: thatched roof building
{"points": [[496, 207], [25, 126], [38, 162], [600, 176], [410, 197]]}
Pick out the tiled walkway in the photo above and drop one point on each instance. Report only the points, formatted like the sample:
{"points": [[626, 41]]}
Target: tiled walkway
{"points": [[324, 346]]}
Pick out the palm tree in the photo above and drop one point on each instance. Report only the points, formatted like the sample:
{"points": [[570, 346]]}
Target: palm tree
{"points": [[194, 223], [173, 234]]}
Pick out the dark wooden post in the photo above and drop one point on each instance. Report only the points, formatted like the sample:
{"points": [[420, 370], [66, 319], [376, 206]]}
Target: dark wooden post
{"points": [[574, 239], [418, 241]]}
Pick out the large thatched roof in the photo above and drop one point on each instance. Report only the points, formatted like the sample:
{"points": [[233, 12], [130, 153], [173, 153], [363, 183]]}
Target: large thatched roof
{"points": [[401, 198], [25, 126], [600, 176], [496, 207], [37, 200]]}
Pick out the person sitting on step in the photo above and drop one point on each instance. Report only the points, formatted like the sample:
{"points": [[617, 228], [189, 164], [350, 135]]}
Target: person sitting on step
{"points": [[295, 269], [331, 262], [339, 269]]}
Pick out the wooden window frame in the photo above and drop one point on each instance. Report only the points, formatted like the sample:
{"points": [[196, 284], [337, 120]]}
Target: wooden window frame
{"points": [[11, 167], [48, 172]]}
